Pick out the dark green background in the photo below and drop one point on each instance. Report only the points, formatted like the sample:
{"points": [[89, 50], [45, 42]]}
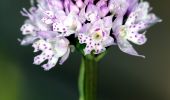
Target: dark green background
{"points": [[121, 76]]}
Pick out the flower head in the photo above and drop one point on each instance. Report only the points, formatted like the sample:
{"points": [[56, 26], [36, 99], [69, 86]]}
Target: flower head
{"points": [[55, 27]]}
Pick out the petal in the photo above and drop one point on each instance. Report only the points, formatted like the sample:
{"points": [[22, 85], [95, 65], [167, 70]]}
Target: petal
{"points": [[60, 28], [33, 10], [66, 6], [91, 13], [73, 8], [85, 28], [79, 25], [117, 23], [83, 38], [118, 7], [91, 17], [41, 45], [108, 22], [88, 49], [45, 55], [99, 24], [61, 46], [64, 57], [132, 4], [99, 48], [47, 20], [60, 15], [79, 3], [39, 59], [137, 38], [152, 19], [108, 42], [47, 34], [88, 1], [102, 5], [81, 15], [72, 23], [51, 63], [57, 4], [103, 10], [49, 14], [131, 19], [28, 40], [70, 20], [138, 27], [40, 25], [126, 47], [25, 13], [28, 29]]}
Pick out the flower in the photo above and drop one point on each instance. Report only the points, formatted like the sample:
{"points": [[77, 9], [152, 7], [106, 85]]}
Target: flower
{"points": [[96, 36], [41, 30], [56, 27], [69, 25], [52, 50], [32, 25], [137, 22]]}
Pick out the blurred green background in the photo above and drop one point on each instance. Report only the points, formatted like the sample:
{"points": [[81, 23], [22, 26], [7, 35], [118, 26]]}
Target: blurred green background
{"points": [[121, 77]]}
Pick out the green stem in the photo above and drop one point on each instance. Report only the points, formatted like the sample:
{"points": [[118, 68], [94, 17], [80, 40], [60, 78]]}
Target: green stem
{"points": [[81, 80], [88, 78]]}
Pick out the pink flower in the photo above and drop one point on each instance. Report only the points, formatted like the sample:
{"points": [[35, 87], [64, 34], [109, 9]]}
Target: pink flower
{"points": [[56, 27]]}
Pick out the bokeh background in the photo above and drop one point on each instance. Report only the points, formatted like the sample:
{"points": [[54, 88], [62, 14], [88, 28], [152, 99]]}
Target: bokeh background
{"points": [[121, 77]]}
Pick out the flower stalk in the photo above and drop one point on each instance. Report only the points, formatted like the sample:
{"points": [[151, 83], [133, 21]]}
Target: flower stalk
{"points": [[88, 76]]}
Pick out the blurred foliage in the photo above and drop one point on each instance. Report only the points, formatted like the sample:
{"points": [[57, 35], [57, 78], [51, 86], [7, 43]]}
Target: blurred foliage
{"points": [[10, 79]]}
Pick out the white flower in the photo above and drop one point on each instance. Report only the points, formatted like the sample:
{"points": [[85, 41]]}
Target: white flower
{"points": [[32, 25], [52, 50], [67, 26], [96, 36], [63, 24], [138, 20], [142, 13]]}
